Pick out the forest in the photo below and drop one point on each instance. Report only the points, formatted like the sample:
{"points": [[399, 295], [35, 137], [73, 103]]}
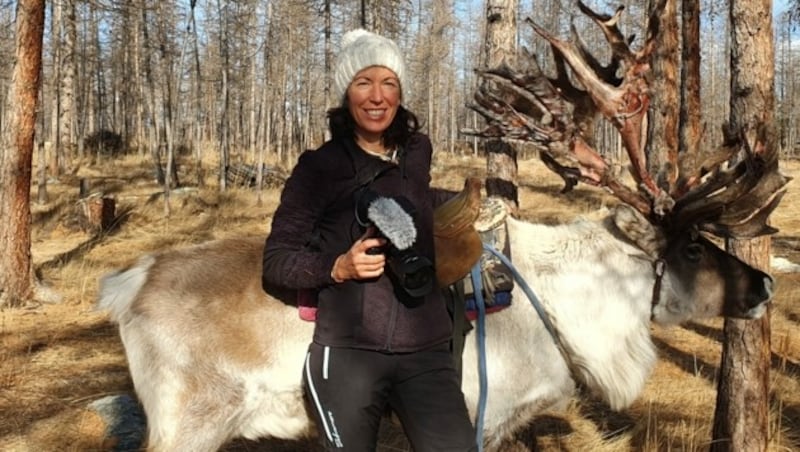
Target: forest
{"points": [[156, 104], [252, 76]]}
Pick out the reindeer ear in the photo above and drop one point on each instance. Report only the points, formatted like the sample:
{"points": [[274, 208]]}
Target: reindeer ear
{"points": [[639, 230]]}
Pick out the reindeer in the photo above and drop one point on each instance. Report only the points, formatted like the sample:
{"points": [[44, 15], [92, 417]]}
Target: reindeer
{"points": [[213, 356]]}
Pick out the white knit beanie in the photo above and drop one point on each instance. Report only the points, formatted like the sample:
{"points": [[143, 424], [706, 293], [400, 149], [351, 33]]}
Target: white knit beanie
{"points": [[362, 49]]}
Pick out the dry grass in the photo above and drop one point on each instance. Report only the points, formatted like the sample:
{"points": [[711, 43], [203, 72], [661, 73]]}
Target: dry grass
{"points": [[57, 358]]}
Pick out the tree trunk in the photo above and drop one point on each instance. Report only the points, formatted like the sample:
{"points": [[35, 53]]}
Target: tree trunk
{"points": [[198, 104], [41, 193], [691, 115], [54, 166], [17, 148], [154, 131], [170, 112], [500, 45], [137, 51], [662, 133], [224, 145], [741, 419], [66, 91], [99, 91]]}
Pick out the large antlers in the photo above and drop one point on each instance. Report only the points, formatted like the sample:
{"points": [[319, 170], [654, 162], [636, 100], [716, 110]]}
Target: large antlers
{"points": [[735, 197], [731, 194]]}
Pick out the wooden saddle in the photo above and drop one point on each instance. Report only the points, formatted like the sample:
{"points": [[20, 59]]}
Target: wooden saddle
{"points": [[457, 243]]}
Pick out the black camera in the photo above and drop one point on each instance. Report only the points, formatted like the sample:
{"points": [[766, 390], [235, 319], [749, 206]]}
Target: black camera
{"points": [[393, 217], [411, 271]]}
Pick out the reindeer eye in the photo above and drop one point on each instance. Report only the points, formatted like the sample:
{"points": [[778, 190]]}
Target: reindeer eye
{"points": [[694, 251]]}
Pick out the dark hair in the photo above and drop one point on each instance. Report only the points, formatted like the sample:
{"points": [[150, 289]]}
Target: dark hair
{"points": [[404, 124]]}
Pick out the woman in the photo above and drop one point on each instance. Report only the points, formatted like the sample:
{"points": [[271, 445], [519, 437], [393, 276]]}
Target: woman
{"points": [[374, 347]]}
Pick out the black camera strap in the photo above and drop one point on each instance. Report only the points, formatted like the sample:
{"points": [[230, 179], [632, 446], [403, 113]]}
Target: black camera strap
{"points": [[364, 174], [367, 170], [371, 168]]}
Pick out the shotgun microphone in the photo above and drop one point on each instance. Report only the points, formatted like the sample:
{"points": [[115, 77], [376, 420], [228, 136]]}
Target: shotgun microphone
{"points": [[408, 269], [393, 222]]}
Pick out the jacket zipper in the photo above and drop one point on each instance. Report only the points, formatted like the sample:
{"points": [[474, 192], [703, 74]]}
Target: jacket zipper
{"points": [[392, 325], [393, 314]]}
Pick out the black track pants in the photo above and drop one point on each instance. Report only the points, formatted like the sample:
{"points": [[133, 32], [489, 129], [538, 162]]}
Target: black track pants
{"points": [[348, 391]]}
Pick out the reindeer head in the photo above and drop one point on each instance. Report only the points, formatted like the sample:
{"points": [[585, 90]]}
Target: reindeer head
{"points": [[730, 193]]}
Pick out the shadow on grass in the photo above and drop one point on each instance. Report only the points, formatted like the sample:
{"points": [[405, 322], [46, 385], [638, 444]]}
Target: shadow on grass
{"points": [[688, 362], [74, 379], [777, 361], [549, 429], [84, 248]]}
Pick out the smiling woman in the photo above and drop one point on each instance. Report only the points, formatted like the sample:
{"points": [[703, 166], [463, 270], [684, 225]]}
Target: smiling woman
{"points": [[379, 342]]}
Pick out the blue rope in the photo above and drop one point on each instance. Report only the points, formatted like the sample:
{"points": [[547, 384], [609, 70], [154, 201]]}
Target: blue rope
{"points": [[477, 285]]}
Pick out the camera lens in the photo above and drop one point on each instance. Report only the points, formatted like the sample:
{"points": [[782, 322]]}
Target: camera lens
{"points": [[414, 272], [417, 280]]}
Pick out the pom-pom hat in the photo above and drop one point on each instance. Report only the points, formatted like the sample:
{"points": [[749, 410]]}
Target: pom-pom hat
{"points": [[362, 49]]}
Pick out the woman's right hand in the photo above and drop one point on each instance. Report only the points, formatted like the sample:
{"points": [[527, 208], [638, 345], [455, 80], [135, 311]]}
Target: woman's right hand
{"points": [[360, 261]]}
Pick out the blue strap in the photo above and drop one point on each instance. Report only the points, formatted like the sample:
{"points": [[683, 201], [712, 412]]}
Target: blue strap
{"points": [[483, 384], [477, 284]]}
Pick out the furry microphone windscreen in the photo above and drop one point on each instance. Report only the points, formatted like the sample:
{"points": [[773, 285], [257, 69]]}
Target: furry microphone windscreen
{"points": [[393, 221]]}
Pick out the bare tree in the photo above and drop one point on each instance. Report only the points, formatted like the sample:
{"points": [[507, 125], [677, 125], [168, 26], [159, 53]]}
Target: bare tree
{"points": [[224, 137], [434, 35], [197, 104], [264, 120], [741, 419], [662, 130], [150, 96], [794, 10], [691, 122], [54, 165], [138, 89], [786, 86], [66, 91], [17, 136], [170, 86], [97, 80], [499, 48]]}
